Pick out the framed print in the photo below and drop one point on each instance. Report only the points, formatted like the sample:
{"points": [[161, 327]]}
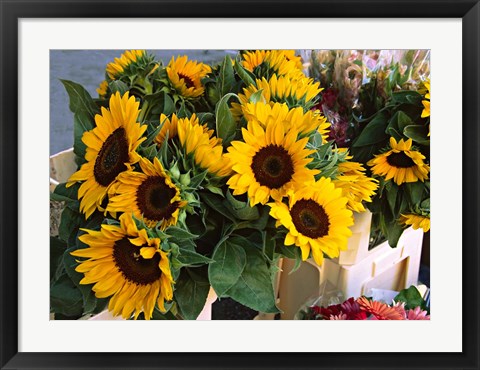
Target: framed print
{"points": [[200, 156]]}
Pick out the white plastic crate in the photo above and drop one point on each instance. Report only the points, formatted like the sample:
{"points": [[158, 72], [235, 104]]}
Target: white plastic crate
{"points": [[359, 241]]}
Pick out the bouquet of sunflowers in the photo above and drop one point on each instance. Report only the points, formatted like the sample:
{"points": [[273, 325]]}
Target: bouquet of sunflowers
{"points": [[194, 177], [378, 104]]}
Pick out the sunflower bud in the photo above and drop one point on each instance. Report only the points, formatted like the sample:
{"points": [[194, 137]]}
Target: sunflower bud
{"points": [[212, 94], [175, 172], [185, 179]]}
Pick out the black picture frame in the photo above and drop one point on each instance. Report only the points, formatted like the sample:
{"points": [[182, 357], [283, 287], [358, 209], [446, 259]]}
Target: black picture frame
{"points": [[11, 11]]}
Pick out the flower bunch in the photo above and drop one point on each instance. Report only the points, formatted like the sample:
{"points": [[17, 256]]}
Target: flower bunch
{"points": [[194, 176], [378, 104], [407, 305]]}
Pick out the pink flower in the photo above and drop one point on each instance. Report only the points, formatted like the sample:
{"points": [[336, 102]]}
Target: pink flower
{"points": [[400, 307], [340, 316], [417, 314]]}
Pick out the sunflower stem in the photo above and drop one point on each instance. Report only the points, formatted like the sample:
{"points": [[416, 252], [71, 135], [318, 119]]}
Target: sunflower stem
{"points": [[143, 111]]}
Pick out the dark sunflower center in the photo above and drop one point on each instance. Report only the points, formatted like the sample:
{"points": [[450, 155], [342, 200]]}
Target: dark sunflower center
{"points": [[310, 218], [153, 199], [400, 160], [133, 266], [188, 81], [272, 166], [111, 158]]}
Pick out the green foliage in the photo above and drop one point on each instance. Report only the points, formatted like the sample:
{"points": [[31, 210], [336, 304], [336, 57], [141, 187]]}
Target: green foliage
{"points": [[226, 79], [374, 132], [412, 298], [80, 99], [191, 291], [247, 77], [118, 86], [254, 287], [226, 125], [229, 262]]}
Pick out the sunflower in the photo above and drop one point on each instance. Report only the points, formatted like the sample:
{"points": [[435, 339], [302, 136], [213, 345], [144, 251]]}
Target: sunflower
{"points": [[417, 221], [355, 185], [124, 263], [186, 76], [150, 195], [169, 127], [290, 55], [115, 68], [425, 90], [271, 62], [283, 89], [102, 89], [426, 103], [296, 118], [269, 162], [400, 163], [110, 150], [207, 150], [317, 220]]}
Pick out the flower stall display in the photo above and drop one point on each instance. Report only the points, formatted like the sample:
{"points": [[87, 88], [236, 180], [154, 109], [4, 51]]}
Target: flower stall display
{"points": [[408, 304], [378, 104], [191, 177]]}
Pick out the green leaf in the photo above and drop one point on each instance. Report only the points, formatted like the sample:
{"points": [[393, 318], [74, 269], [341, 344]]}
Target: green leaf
{"points": [[160, 102], [57, 248], [191, 291], [417, 133], [88, 297], [64, 194], [190, 258], [197, 180], [373, 133], [216, 203], [82, 123], [293, 253], [80, 99], [245, 75], [180, 234], [70, 222], [411, 297], [409, 97], [254, 287], [415, 191], [150, 152], [206, 117], [229, 261], [395, 230], [425, 205], [403, 120], [226, 79], [257, 96], [268, 246], [152, 132], [392, 196], [157, 315], [241, 210], [214, 190], [118, 86], [65, 298], [225, 123]]}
